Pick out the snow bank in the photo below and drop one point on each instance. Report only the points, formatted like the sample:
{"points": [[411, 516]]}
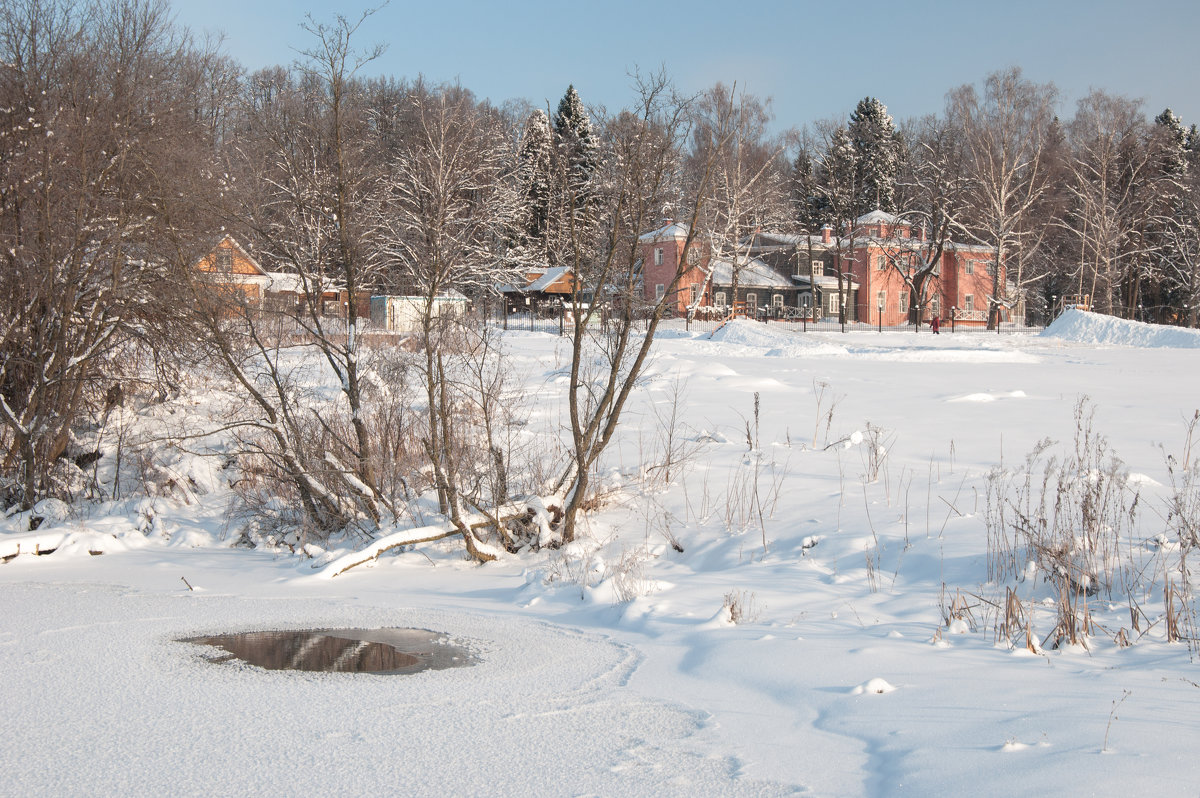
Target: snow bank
{"points": [[1094, 328]]}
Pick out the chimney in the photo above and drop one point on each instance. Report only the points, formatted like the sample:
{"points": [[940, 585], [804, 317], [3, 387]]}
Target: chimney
{"points": [[826, 234]]}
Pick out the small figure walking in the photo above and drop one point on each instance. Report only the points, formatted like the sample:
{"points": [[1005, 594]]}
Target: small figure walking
{"points": [[936, 325]]}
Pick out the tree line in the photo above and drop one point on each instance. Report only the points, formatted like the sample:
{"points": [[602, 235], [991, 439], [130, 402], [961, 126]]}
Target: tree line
{"points": [[128, 146]]}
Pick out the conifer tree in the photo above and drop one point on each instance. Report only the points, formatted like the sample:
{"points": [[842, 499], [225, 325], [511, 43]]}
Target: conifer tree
{"points": [[535, 176], [576, 141], [878, 148], [811, 208]]}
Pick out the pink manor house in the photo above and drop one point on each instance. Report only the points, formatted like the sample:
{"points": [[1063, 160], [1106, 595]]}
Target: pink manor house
{"points": [[787, 276]]}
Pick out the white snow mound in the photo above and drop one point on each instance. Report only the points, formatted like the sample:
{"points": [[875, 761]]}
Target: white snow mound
{"points": [[1095, 328], [877, 686]]}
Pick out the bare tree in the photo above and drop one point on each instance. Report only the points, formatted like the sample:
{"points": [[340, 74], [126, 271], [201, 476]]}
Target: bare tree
{"points": [[746, 187], [443, 211], [93, 136], [1112, 199], [1005, 133], [641, 171], [935, 186], [311, 173]]}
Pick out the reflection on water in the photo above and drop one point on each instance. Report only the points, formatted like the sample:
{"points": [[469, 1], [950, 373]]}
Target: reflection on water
{"points": [[386, 651]]}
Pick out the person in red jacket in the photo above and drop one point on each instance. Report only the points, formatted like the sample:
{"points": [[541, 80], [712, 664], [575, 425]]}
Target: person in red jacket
{"points": [[935, 324]]}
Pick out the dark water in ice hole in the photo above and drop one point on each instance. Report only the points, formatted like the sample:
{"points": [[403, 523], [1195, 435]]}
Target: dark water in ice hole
{"points": [[383, 651]]}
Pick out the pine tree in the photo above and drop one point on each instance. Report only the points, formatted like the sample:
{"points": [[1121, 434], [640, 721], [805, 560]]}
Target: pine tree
{"points": [[837, 177], [877, 146], [811, 208], [1173, 148], [576, 142], [535, 176]]}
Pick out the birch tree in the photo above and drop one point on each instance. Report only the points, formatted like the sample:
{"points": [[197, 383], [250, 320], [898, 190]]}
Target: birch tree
{"points": [[1005, 132], [746, 189], [1112, 199], [444, 210]]}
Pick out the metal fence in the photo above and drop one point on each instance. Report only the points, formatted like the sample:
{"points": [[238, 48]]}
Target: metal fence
{"points": [[558, 322]]}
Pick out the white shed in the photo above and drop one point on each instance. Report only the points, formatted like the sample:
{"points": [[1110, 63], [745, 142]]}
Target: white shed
{"points": [[403, 313]]}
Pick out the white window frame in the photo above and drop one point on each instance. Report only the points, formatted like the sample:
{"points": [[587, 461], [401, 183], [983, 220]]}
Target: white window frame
{"points": [[835, 303], [720, 300], [660, 291], [658, 256], [818, 268], [902, 301], [969, 267], [777, 300], [752, 300], [880, 263], [224, 258], [969, 302]]}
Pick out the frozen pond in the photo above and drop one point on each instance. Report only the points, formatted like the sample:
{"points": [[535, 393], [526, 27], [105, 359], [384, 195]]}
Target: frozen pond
{"points": [[383, 651]]}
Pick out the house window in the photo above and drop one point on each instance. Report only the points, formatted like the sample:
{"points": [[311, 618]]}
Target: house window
{"points": [[834, 303], [881, 301], [969, 267], [991, 268], [693, 256], [224, 258], [818, 267], [969, 302], [879, 262], [721, 300], [658, 256], [902, 301], [751, 301], [935, 305], [695, 292], [660, 290], [777, 300]]}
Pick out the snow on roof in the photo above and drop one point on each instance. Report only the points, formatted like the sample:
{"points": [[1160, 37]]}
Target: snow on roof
{"points": [[879, 217], [669, 230], [547, 279], [284, 282], [753, 274], [824, 281]]}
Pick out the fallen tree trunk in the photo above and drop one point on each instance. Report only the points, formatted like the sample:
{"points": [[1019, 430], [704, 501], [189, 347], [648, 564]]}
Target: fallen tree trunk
{"points": [[533, 510]]}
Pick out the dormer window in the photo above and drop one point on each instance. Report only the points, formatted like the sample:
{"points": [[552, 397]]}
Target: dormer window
{"points": [[225, 258]]}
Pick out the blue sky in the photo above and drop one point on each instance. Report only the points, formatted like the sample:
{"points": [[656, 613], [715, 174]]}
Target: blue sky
{"points": [[815, 60]]}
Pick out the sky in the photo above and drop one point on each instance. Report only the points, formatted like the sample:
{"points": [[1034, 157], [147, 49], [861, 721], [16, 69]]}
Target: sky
{"points": [[814, 60]]}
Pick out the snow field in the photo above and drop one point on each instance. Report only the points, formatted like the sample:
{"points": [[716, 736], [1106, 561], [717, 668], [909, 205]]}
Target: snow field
{"points": [[612, 667]]}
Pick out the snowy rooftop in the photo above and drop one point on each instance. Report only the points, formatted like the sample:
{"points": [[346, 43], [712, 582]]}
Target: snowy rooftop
{"points": [[753, 274], [669, 230], [879, 217]]}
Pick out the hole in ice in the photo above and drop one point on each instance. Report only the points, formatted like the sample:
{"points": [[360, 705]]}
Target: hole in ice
{"points": [[383, 651]]}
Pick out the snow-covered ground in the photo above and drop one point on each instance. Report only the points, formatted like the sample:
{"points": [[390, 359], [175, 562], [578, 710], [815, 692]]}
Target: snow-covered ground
{"points": [[841, 531]]}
